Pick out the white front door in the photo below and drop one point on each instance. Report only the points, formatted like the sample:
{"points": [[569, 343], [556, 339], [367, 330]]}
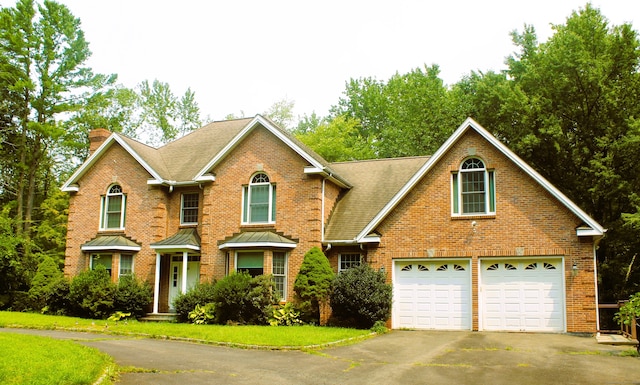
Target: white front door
{"points": [[175, 278], [522, 295], [430, 294]]}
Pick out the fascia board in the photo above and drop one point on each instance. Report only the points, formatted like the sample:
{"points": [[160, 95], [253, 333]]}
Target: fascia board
{"points": [[175, 247], [238, 138], [247, 245], [470, 123], [102, 248], [96, 156]]}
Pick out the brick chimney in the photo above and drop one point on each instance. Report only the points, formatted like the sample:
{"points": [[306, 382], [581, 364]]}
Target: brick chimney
{"points": [[96, 138]]}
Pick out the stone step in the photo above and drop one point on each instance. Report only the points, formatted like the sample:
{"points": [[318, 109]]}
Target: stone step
{"points": [[159, 317]]}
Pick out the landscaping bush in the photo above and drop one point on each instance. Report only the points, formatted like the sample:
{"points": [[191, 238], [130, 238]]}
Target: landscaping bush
{"points": [[58, 298], [313, 284], [201, 294], [132, 295], [360, 297], [47, 275], [91, 294], [243, 299]]}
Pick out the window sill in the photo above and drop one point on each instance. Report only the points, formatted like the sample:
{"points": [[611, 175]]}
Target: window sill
{"points": [[258, 225], [473, 216]]}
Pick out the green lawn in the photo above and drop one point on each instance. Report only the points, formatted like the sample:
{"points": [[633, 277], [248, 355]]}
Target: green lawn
{"points": [[274, 337], [35, 360]]}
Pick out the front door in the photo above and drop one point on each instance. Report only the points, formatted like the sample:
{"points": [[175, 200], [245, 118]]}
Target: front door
{"points": [[175, 277]]}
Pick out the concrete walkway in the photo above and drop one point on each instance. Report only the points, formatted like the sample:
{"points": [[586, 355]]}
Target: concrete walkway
{"points": [[399, 357]]}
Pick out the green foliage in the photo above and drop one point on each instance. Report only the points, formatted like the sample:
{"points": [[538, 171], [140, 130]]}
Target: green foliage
{"points": [[361, 297], [57, 298], [118, 316], [239, 298], [286, 315], [313, 284], [410, 114], [629, 312], [201, 294], [132, 295], [281, 113], [337, 140], [91, 294], [16, 267], [164, 116], [203, 315], [379, 327], [43, 282]]}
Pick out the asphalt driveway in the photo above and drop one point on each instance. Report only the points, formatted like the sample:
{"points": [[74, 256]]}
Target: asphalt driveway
{"points": [[399, 357]]}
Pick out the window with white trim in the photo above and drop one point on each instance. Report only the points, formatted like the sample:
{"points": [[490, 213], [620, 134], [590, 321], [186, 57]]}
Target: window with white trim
{"points": [[101, 260], [126, 265], [113, 209], [473, 189], [259, 200], [347, 261], [189, 209], [279, 272], [250, 261]]}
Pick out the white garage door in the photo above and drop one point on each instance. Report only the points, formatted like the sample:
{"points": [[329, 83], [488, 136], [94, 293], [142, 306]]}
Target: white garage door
{"points": [[522, 295], [432, 295]]}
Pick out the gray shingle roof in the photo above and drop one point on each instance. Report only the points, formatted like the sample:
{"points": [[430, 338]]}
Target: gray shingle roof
{"points": [[184, 238], [374, 182], [110, 242]]}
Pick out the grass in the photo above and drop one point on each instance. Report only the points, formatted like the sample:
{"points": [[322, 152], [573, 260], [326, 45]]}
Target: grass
{"points": [[35, 360], [273, 337]]}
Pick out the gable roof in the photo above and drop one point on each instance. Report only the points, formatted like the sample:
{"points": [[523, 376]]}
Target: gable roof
{"points": [[375, 182], [191, 159], [590, 228]]}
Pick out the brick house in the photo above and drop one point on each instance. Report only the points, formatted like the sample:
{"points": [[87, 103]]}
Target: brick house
{"points": [[472, 238]]}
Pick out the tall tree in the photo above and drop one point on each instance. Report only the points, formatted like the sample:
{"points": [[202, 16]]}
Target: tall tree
{"points": [[568, 106], [410, 114], [43, 55], [164, 116]]}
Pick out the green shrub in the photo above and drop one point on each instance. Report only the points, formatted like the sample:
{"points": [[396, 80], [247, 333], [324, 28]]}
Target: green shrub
{"points": [[47, 275], [133, 295], [243, 299], [58, 302], [313, 284], [360, 297], [92, 293], [201, 294], [286, 315]]}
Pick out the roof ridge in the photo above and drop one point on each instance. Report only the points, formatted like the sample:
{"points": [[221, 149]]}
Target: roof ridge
{"points": [[382, 159]]}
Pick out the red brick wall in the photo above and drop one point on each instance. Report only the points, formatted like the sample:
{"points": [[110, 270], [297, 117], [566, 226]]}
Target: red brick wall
{"points": [[298, 202], [146, 214], [528, 222]]}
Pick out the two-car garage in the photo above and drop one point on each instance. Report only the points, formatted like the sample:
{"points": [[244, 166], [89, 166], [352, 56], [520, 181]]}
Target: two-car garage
{"points": [[513, 294]]}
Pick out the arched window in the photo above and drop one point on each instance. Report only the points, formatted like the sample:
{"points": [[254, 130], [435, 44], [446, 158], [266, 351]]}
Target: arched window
{"points": [[259, 200], [113, 209], [473, 188]]}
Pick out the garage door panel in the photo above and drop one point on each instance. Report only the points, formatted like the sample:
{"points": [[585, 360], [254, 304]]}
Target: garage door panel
{"points": [[528, 293], [439, 293]]}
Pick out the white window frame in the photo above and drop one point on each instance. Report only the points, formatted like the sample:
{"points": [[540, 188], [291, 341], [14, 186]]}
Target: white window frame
{"points": [[342, 256], [104, 204], [457, 194], [120, 273], [284, 275], [100, 255], [182, 209], [246, 200]]}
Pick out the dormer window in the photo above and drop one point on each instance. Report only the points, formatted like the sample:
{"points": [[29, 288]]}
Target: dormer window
{"points": [[259, 200], [113, 209], [473, 189]]}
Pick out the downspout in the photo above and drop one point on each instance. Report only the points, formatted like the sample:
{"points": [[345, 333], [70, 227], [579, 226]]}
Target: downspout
{"points": [[595, 278]]}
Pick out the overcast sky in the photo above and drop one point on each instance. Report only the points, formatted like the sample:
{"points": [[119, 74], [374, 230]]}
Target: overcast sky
{"points": [[242, 56]]}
